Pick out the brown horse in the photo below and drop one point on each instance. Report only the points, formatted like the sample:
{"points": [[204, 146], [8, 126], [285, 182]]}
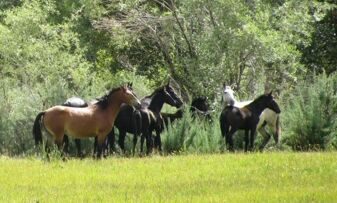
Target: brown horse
{"points": [[96, 120]]}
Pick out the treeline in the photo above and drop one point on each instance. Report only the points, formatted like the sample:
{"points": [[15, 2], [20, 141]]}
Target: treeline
{"points": [[54, 49]]}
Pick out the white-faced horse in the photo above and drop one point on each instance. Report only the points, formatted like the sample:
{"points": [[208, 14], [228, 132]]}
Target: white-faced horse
{"points": [[267, 118]]}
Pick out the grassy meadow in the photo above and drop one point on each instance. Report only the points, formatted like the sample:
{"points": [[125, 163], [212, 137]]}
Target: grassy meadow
{"points": [[256, 177]]}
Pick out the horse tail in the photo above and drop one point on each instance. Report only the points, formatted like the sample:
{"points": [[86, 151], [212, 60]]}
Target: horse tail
{"points": [[37, 128], [223, 124], [278, 129]]}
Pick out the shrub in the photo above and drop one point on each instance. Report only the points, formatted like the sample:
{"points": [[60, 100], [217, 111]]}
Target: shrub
{"points": [[310, 117]]}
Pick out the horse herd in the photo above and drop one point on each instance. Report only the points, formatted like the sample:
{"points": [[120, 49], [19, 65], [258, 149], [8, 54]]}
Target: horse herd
{"points": [[121, 109]]}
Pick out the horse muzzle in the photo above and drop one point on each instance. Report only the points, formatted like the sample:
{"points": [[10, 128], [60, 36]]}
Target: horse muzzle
{"points": [[137, 104], [178, 104]]}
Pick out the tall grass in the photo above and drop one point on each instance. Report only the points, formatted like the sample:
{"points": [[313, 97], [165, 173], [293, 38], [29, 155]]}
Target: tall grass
{"points": [[193, 134]]}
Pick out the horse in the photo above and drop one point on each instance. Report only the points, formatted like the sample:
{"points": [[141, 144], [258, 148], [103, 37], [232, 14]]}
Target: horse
{"points": [[234, 118], [200, 107], [267, 118], [146, 119], [78, 103], [96, 120]]}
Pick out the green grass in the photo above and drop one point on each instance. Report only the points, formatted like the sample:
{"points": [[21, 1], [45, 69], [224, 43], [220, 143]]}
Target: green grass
{"points": [[267, 177]]}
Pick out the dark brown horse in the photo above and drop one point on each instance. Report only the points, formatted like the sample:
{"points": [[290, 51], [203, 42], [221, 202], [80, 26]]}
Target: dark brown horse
{"points": [[96, 120], [246, 118]]}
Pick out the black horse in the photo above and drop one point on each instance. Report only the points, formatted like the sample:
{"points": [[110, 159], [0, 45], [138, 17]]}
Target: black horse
{"points": [[143, 121], [199, 107], [245, 118]]}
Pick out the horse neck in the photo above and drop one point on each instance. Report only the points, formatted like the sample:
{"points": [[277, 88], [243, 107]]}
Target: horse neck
{"points": [[230, 99], [256, 107], [156, 104], [113, 108]]}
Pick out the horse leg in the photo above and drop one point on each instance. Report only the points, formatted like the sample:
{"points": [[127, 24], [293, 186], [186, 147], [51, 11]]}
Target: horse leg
{"points": [[111, 141], [100, 145], [229, 139], [59, 143], [158, 140], [142, 138], [246, 140], [66, 144], [134, 144], [252, 138], [121, 139], [95, 146], [276, 130], [149, 142], [78, 147], [266, 137]]}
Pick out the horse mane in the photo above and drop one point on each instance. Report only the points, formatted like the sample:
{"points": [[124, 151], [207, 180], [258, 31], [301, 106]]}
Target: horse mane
{"points": [[103, 102], [156, 91], [255, 102], [145, 101]]}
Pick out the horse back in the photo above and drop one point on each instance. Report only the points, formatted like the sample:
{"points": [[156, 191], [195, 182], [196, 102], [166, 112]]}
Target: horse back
{"points": [[240, 118], [76, 122]]}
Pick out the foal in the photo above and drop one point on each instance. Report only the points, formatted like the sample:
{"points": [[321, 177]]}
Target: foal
{"points": [[246, 118], [95, 120]]}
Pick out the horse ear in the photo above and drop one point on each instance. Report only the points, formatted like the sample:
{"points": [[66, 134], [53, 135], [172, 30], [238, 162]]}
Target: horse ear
{"points": [[125, 87], [168, 83], [270, 93]]}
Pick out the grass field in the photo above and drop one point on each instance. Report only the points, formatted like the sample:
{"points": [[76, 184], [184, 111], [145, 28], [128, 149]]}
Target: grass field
{"points": [[267, 177]]}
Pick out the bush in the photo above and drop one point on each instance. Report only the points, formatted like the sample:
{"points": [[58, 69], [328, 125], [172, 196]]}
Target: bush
{"points": [[310, 118]]}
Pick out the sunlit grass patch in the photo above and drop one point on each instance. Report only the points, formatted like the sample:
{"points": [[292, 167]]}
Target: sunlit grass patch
{"points": [[271, 177]]}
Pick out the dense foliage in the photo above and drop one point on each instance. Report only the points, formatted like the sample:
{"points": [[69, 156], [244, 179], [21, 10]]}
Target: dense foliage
{"points": [[53, 49]]}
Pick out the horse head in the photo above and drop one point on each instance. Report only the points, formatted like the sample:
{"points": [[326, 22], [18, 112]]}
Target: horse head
{"points": [[228, 95], [171, 96], [272, 103], [200, 103], [128, 96]]}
